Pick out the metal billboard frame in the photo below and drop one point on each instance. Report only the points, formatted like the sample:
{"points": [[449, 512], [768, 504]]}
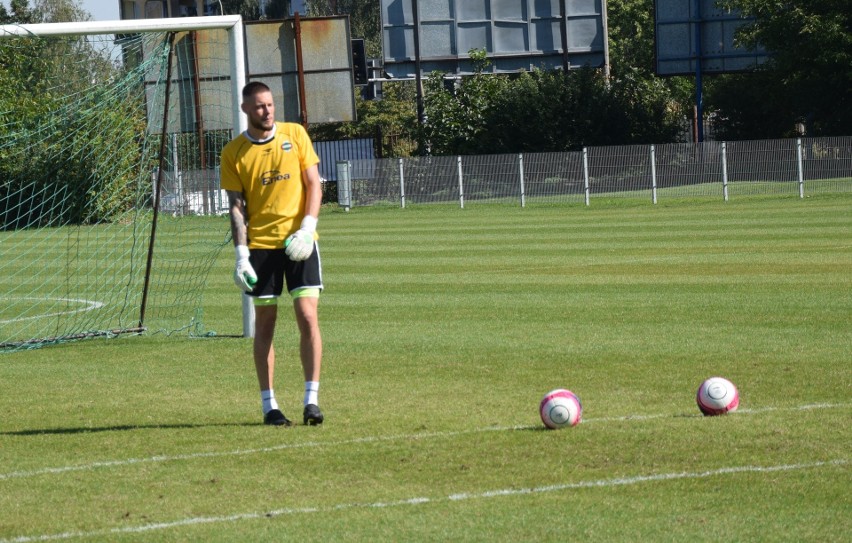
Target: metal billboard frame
{"points": [[696, 37], [307, 62], [436, 35], [693, 34]]}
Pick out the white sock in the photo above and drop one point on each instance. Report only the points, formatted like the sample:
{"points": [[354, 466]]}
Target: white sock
{"points": [[311, 392], [267, 398]]}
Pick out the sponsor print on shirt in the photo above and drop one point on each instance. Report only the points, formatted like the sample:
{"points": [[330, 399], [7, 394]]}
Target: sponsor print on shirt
{"points": [[273, 176]]}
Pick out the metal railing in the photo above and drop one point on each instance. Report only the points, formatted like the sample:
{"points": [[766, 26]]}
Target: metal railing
{"points": [[680, 170]]}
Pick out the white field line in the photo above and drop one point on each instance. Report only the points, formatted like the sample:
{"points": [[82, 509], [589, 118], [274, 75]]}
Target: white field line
{"points": [[368, 439], [463, 496], [89, 305]]}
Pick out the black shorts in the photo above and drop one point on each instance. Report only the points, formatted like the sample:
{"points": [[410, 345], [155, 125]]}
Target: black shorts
{"points": [[274, 269]]}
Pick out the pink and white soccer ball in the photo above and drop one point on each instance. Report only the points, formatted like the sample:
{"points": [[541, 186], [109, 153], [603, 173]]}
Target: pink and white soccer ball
{"points": [[560, 408], [717, 396]]}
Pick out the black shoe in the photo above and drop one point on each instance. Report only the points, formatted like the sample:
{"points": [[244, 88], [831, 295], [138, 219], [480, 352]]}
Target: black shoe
{"points": [[313, 415], [276, 418]]}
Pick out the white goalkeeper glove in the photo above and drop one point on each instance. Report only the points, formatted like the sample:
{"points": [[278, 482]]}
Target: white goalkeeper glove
{"points": [[300, 245], [244, 275]]}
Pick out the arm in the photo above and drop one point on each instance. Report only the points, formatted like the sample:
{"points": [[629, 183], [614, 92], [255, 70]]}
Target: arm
{"points": [[300, 246], [237, 204], [313, 189], [244, 275]]}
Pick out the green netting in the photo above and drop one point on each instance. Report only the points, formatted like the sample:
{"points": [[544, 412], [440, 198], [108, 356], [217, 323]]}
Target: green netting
{"points": [[81, 126]]}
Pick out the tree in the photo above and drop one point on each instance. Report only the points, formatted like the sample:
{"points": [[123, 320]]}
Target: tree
{"points": [[61, 11], [20, 13], [53, 93], [808, 77], [631, 49], [458, 118], [545, 111]]}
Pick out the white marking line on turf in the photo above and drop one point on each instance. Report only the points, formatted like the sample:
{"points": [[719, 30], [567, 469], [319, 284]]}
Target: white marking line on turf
{"points": [[90, 305], [463, 496], [360, 440]]}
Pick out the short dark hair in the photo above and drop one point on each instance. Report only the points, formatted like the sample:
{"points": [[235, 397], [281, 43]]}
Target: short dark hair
{"points": [[253, 88]]}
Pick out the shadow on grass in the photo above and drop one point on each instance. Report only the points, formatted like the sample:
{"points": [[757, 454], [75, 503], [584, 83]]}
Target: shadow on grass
{"points": [[122, 428]]}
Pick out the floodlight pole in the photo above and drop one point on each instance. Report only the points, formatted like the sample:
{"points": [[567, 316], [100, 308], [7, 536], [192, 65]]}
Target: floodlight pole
{"points": [[563, 32], [300, 68], [415, 10], [699, 98]]}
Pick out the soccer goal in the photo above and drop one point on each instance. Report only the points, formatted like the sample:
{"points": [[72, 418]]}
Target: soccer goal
{"points": [[110, 208]]}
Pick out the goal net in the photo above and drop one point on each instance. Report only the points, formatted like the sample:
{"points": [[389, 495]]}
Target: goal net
{"points": [[110, 209]]}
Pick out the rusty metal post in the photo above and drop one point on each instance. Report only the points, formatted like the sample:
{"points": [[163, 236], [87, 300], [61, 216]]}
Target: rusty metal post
{"points": [[199, 121], [303, 107]]}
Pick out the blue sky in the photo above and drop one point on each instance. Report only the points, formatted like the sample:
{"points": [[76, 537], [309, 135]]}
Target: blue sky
{"points": [[101, 10]]}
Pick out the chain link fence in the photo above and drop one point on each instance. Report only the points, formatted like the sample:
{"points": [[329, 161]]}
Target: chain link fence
{"points": [[720, 170]]}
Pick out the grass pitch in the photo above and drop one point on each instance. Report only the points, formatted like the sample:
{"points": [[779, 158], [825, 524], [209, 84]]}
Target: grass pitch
{"points": [[443, 328]]}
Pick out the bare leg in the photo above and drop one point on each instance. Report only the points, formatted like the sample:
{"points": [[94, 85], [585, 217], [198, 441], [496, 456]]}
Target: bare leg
{"points": [[264, 353], [310, 342]]}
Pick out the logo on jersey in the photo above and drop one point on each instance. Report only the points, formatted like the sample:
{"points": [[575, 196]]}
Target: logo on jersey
{"points": [[273, 176], [286, 146]]}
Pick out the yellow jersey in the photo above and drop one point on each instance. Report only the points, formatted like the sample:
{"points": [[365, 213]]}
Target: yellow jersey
{"points": [[269, 175]]}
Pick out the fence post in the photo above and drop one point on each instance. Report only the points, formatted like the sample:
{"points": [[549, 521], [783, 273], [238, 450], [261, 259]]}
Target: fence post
{"points": [[724, 170], [248, 315], [653, 175], [344, 184], [461, 185], [401, 185], [521, 170], [800, 167], [586, 173]]}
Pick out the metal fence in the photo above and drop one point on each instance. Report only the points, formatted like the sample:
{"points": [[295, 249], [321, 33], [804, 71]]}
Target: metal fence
{"points": [[681, 170]]}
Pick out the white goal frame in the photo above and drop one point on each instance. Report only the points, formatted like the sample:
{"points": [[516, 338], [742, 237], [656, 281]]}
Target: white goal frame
{"points": [[233, 24]]}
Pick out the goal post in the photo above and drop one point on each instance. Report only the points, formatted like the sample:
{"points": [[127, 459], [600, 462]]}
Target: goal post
{"points": [[94, 117]]}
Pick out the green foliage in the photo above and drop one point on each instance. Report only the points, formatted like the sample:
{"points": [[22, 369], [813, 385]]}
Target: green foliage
{"points": [[19, 12], [630, 24], [392, 120], [58, 11], [458, 114], [544, 111], [59, 128], [248, 9], [808, 78]]}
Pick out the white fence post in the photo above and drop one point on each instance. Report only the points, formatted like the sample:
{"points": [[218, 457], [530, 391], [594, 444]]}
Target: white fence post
{"points": [[461, 185], [181, 203], [344, 183], [801, 167], [586, 173], [248, 316], [653, 175], [521, 170], [401, 185], [724, 170]]}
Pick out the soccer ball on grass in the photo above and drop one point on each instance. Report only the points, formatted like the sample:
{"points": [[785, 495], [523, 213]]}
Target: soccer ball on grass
{"points": [[717, 396], [560, 408]]}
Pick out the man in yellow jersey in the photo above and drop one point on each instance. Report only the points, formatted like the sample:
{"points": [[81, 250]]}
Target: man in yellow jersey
{"points": [[272, 179]]}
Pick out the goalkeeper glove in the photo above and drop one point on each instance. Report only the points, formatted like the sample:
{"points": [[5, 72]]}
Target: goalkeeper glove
{"points": [[244, 276], [300, 245]]}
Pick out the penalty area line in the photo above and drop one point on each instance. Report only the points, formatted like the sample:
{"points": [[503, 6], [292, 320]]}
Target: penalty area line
{"points": [[89, 305], [459, 497], [363, 440]]}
